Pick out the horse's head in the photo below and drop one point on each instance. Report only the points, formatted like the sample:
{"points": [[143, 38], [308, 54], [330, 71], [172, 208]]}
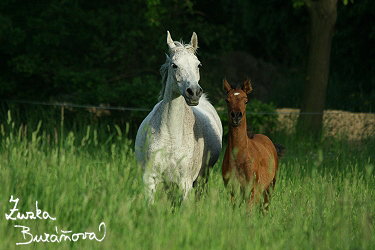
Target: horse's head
{"points": [[236, 100], [184, 69]]}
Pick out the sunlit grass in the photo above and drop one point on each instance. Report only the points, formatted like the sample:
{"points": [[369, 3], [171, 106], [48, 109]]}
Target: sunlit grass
{"points": [[324, 197]]}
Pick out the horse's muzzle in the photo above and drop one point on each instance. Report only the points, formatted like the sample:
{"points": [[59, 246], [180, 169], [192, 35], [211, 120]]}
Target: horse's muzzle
{"points": [[192, 95], [191, 101], [236, 118]]}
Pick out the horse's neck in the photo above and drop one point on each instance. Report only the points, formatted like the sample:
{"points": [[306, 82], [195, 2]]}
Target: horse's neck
{"points": [[238, 135], [172, 115]]}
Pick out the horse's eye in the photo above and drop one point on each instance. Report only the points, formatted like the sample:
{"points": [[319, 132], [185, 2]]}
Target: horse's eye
{"points": [[174, 66], [226, 100]]}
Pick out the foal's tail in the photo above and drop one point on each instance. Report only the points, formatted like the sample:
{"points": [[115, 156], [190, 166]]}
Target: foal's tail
{"points": [[280, 149]]}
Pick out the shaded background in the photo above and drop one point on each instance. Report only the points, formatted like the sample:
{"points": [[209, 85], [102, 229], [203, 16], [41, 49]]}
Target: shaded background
{"points": [[96, 52]]}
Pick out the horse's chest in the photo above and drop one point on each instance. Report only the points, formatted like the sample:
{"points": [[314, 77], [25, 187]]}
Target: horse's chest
{"points": [[239, 162], [177, 148], [238, 157]]}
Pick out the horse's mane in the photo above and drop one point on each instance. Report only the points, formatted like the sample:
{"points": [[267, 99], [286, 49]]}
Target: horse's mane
{"points": [[180, 46], [164, 76], [250, 131]]}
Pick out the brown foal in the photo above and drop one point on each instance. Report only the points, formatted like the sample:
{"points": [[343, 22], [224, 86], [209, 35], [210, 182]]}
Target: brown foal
{"points": [[250, 161]]}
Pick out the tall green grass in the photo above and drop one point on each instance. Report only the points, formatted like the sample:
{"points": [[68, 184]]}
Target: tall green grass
{"points": [[324, 196]]}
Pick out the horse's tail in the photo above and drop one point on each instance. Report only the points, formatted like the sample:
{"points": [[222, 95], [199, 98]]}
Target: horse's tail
{"points": [[280, 149]]}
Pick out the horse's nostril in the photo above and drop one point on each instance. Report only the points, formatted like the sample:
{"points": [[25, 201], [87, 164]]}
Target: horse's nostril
{"points": [[189, 92], [199, 92], [240, 115], [232, 114]]}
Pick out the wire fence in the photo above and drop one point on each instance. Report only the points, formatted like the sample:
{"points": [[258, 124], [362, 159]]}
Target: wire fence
{"points": [[355, 126], [72, 105], [85, 106]]}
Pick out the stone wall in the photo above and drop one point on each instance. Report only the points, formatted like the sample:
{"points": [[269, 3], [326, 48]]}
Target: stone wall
{"points": [[353, 126]]}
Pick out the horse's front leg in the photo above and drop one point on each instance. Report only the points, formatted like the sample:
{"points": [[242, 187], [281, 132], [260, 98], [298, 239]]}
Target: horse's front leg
{"points": [[150, 181], [268, 192], [186, 186], [231, 192]]}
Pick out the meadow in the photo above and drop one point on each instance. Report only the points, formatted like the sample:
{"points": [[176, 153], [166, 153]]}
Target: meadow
{"points": [[324, 196]]}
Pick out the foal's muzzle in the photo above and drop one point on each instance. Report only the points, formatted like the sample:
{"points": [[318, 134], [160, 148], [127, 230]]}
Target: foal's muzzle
{"points": [[236, 118], [192, 95]]}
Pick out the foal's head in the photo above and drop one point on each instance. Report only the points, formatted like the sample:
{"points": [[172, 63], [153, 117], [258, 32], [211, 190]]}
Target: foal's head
{"points": [[182, 66], [236, 100]]}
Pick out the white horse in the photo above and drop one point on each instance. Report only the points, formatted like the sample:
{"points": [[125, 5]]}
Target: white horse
{"points": [[182, 135]]}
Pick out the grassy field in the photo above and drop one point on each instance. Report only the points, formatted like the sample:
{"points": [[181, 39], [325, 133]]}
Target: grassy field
{"points": [[324, 196]]}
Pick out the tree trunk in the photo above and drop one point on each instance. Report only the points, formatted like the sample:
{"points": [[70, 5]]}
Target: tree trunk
{"points": [[323, 15]]}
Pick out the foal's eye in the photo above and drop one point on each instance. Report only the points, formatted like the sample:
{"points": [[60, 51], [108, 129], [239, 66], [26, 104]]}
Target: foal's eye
{"points": [[174, 66]]}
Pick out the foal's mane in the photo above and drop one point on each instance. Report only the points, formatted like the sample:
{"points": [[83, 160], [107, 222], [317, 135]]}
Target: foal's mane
{"points": [[180, 46]]}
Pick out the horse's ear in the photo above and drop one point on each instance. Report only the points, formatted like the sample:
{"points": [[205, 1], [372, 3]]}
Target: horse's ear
{"points": [[226, 86], [170, 42], [247, 86], [194, 41]]}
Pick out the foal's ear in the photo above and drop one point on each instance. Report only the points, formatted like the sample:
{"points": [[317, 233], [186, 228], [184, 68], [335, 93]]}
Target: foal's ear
{"points": [[247, 86], [170, 42], [194, 41], [226, 86]]}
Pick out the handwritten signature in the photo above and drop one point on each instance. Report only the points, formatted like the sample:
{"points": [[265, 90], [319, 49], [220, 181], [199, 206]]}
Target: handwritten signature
{"points": [[64, 236]]}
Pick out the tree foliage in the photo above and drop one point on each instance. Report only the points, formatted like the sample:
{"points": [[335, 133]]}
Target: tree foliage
{"points": [[109, 51]]}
